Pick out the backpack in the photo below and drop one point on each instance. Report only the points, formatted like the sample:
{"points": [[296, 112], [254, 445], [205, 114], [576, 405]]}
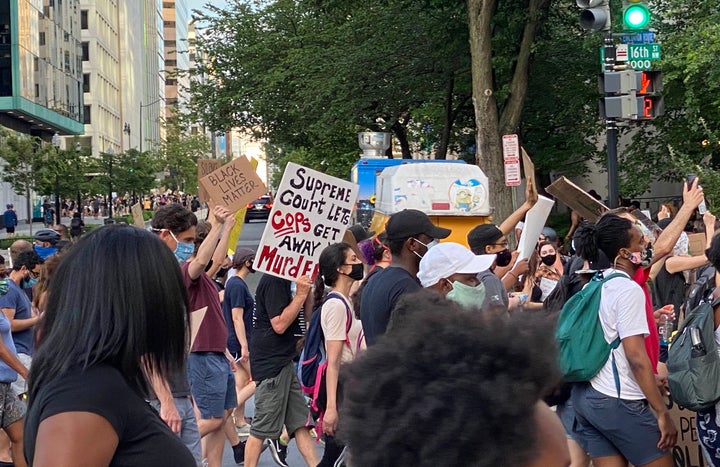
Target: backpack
{"points": [[75, 227], [693, 374], [582, 347], [701, 289], [313, 358]]}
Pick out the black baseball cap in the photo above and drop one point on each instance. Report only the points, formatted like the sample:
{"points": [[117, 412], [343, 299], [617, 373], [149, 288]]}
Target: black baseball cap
{"points": [[481, 236], [411, 222], [360, 232]]}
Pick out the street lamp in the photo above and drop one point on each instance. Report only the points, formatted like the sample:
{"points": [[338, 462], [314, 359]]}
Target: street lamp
{"points": [[142, 106], [126, 130], [110, 153], [56, 142], [79, 208]]}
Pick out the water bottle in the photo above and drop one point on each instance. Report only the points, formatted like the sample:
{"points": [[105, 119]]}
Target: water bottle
{"points": [[698, 348], [702, 208], [665, 330]]}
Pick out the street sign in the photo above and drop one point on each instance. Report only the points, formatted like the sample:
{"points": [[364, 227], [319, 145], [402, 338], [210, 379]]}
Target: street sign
{"points": [[643, 37], [511, 156], [644, 52]]}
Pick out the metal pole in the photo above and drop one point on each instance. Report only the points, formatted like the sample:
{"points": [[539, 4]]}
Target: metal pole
{"points": [[141, 125], [611, 129], [110, 156], [57, 199]]}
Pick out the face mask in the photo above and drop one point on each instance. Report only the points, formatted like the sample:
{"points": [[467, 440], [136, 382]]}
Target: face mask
{"points": [[250, 268], [548, 260], [428, 246], [642, 258], [29, 282], [182, 251], [503, 258], [466, 295], [357, 272]]}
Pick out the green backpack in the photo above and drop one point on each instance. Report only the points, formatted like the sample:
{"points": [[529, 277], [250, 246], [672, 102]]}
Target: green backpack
{"points": [[694, 371], [582, 347]]}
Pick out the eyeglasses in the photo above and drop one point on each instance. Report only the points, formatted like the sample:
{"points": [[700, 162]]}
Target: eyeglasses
{"points": [[33, 274], [503, 244]]}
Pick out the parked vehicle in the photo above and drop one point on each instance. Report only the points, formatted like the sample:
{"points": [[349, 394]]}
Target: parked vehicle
{"points": [[259, 209]]}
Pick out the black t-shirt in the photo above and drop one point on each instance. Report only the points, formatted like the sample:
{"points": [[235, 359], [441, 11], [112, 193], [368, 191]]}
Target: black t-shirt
{"points": [[379, 297], [237, 295], [270, 351], [669, 289], [144, 439]]}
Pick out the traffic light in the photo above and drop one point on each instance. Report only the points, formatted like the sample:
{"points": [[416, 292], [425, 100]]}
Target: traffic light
{"points": [[631, 95], [595, 14], [636, 15]]}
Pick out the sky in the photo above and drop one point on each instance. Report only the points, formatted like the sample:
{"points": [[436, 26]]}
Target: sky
{"points": [[200, 4]]}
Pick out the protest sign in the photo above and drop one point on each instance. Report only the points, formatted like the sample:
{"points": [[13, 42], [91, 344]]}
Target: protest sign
{"points": [[687, 452], [696, 244], [233, 185], [576, 199], [534, 223], [137, 214], [311, 210], [205, 167]]}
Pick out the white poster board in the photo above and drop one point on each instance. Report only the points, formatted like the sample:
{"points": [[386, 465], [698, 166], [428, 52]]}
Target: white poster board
{"points": [[534, 223], [311, 211]]}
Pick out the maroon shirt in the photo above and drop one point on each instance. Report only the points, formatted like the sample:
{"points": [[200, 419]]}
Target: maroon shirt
{"points": [[212, 335]]}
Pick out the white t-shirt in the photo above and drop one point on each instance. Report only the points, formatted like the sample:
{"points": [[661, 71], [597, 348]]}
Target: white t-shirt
{"points": [[622, 313], [333, 320]]}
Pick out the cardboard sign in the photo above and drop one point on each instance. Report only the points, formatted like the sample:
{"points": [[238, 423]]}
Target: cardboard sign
{"points": [[196, 319], [311, 210], [233, 185], [239, 220], [206, 167], [534, 223], [687, 452], [137, 214], [576, 199], [696, 244]]}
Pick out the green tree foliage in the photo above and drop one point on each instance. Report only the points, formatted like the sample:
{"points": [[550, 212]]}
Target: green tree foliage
{"points": [[177, 156]]}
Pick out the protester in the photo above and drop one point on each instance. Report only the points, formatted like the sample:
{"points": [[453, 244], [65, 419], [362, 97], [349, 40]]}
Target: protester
{"points": [[450, 388], [17, 308], [273, 346], [77, 225], [375, 253], [10, 220], [707, 420], [211, 379], [46, 242], [87, 381], [238, 306], [613, 417], [340, 268], [410, 234], [452, 270]]}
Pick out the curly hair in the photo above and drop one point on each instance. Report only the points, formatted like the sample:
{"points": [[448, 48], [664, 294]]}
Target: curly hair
{"points": [[600, 243], [447, 387]]}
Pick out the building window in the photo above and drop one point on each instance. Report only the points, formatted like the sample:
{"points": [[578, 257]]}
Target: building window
{"points": [[86, 82], [170, 44], [86, 115], [36, 64], [172, 63], [42, 38], [171, 82], [83, 19], [85, 51], [37, 90]]}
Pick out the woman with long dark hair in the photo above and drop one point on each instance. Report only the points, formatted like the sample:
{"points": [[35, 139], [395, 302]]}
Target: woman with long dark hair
{"points": [[116, 309], [339, 269]]}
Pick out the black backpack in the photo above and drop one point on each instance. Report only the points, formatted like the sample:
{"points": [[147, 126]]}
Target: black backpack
{"points": [[75, 227], [701, 290]]}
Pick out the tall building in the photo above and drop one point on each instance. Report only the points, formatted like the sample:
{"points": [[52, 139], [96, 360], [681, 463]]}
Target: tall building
{"points": [[177, 54], [40, 67]]}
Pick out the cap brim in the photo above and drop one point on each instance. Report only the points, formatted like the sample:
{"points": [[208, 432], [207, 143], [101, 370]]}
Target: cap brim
{"points": [[438, 232], [479, 264]]}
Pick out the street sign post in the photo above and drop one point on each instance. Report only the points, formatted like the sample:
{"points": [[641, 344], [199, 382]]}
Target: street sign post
{"points": [[511, 156]]}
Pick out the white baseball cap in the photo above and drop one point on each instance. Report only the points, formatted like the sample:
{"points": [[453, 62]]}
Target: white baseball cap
{"points": [[448, 258]]}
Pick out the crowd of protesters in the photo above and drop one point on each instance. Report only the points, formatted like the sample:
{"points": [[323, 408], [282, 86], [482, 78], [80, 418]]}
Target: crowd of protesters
{"points": [[438, 353]]}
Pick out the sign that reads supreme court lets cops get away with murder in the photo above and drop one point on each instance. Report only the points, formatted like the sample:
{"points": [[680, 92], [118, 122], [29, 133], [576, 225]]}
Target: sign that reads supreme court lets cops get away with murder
{"points": [[234, 184], [311, 211]]}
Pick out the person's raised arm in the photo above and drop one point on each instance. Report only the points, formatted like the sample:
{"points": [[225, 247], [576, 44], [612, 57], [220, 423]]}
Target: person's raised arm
{"points": [[222, 247], [207, 247], [281, 322], [531, 197], [692, 197]]}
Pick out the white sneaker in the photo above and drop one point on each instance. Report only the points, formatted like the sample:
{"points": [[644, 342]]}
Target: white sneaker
{"points": [[243, 431]]}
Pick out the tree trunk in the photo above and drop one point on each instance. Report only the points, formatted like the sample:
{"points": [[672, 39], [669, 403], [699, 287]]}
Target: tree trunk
{"points": [[399, 128], [510, 119], [489, 148], [441, 152]]}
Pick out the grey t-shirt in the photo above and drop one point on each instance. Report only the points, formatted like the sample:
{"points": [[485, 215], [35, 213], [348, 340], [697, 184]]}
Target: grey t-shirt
{"points": [[496, 295]]}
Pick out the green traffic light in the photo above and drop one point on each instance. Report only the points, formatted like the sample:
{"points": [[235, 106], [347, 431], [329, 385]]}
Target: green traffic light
{"points": [[636, 16]]}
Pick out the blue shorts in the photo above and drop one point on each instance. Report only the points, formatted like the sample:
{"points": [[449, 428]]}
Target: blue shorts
{"points": [[566, 412], [212, 383], [608, 426]]}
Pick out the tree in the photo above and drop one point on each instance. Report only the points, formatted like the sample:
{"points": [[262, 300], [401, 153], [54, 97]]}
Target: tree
{"points": [[177, 156], [22, 162]]}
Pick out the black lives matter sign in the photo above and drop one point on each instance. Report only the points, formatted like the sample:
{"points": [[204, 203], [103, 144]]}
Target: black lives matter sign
{"points": [[234, 184]]}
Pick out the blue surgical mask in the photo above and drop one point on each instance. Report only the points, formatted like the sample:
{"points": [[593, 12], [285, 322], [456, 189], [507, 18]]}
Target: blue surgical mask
{"points": [[28, 284], [467, 296], [183, 251]]}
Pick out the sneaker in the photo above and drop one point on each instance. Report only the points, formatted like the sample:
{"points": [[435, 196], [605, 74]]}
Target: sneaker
{"points": [[278, 451], [243, 431], [239, 452]]}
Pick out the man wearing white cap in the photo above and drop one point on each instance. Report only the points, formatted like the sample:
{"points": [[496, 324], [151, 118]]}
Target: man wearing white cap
{"points": [[452, 269]]}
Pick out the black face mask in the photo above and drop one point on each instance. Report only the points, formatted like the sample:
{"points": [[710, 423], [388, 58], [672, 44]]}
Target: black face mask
{"points": [[549, 260], [357, 272], [503, 258]]}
